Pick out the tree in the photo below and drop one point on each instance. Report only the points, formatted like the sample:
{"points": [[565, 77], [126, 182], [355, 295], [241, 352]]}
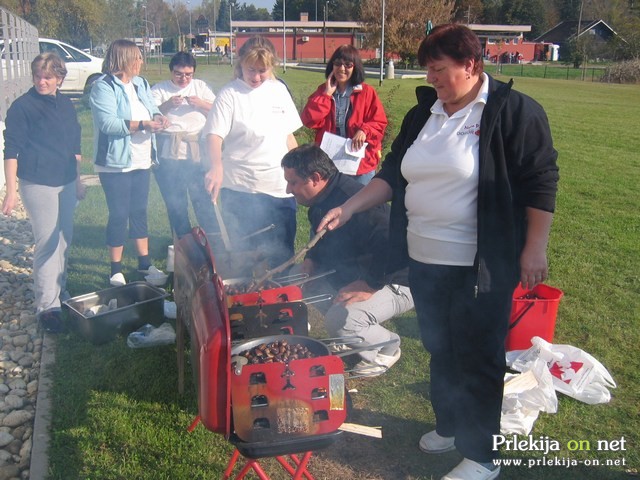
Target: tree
{"points": [[405, 23], [491, 11], [223, 20], [469, 11], [524, 12]]}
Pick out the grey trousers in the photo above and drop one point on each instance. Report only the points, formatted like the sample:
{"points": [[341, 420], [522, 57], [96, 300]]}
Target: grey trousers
{"points": [[50, 210], [364, 319]]}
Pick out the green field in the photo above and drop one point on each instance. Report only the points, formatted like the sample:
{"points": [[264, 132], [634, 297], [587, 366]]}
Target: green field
{"points": [[117, 413]]}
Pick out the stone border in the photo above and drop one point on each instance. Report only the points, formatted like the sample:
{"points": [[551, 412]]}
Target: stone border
{"points": [[39, 466]]}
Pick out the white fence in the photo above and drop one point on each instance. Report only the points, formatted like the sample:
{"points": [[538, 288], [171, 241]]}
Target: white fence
{"points": [[18, 47]]}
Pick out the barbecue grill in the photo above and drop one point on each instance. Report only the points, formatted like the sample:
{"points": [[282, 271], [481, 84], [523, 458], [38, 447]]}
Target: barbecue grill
{"points": [[265, 409]]}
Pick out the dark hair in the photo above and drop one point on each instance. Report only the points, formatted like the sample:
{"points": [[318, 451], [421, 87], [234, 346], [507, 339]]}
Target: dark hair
{"points": [[347, 53], [308, 159], [452, 40], [182, 59]]}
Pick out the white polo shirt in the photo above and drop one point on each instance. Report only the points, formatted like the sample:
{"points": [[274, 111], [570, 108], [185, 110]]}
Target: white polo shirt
{"points": [[254, 124], [441, 198]]}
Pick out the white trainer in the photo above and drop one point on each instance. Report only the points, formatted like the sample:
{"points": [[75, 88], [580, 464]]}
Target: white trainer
{"points": [[433, 443], [152, 270], [117, 280], [381, 364], [470, 470]]}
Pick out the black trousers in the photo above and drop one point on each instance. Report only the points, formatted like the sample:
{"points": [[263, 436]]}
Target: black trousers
{"points": [[465, 336], [127, 195]]}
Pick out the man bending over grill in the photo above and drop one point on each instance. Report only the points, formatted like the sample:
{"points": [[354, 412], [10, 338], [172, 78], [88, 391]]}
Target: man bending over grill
{"points": [[363, 297]]}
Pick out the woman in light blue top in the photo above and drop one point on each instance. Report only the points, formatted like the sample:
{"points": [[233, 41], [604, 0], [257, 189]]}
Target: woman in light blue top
{"points": [[125, 119]]}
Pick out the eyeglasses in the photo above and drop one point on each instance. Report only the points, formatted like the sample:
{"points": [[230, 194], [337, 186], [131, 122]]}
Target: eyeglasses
{"points": [[340, 63], [182, 74]]}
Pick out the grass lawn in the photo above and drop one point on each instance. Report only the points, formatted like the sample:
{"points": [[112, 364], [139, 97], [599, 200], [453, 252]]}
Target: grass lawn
{"points": [[117, 413]]}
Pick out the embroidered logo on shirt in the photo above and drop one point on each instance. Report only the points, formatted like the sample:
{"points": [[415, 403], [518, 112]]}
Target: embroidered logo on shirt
{"points": [[470, 129]]}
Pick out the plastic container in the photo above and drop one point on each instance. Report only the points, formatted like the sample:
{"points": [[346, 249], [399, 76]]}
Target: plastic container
{"points": [[532, 317]]}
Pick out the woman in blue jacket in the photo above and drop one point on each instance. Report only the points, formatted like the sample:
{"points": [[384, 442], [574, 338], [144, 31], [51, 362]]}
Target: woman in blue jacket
{"points": [[125, 118], [42, 149]]}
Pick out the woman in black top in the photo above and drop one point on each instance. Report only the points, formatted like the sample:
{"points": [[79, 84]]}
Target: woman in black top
{"points": [[42, 149]]}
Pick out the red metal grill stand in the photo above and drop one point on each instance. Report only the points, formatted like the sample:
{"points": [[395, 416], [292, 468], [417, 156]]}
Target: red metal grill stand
{"points": [[297, 471]]}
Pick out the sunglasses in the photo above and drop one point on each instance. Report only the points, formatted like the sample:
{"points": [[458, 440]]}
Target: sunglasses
{"points": [[340, 63]]}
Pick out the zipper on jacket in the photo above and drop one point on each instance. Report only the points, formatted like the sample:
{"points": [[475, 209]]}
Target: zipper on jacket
{"points": [[476, 286]]}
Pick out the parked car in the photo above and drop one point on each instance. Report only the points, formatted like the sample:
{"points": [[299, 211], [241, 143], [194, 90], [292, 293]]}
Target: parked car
{"points": [[82, 69]]}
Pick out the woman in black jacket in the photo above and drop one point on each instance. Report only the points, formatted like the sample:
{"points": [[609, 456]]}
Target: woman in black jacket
{"points": [[472, 177], [42, 149]]}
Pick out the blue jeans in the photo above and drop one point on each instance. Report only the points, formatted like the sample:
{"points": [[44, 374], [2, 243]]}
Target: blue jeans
{"points": [[246, 213], [179, 181], [127, 196], [365, 178], [465, 336]]}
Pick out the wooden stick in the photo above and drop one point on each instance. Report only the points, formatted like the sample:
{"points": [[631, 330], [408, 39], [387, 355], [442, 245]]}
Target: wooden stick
{"points": [[375, 432], [223, 229], [270, 273]]}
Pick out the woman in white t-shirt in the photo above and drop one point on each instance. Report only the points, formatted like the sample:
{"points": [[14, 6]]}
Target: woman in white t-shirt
{"points": [[249, 129], [125, 118], [185, 101]]}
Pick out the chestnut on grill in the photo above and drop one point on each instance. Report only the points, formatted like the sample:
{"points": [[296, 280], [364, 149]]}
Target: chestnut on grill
{"points": [[279, 351]]}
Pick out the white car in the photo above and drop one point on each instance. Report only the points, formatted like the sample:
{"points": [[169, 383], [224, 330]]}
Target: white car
{"points": [[82, 69]]}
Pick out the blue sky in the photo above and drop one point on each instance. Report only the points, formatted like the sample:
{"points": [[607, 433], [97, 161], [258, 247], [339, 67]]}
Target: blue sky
{"points": [[268, 4]]}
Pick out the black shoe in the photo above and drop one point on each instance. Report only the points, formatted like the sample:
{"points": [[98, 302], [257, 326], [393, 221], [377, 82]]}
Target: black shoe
{"points": [[51, 321]]}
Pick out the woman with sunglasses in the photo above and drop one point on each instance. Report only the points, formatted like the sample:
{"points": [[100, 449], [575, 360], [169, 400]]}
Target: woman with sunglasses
{"points": [[346, 106]]}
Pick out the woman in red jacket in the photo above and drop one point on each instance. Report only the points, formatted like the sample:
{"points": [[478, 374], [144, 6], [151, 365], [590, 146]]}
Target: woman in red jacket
{"points": [[346, 106]]}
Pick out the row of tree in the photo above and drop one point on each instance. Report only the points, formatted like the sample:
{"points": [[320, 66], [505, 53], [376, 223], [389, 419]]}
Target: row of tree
{"points": [[87, 23]]}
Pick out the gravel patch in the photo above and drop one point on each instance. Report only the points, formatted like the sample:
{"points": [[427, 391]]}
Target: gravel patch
{"points": [[21, 344]]}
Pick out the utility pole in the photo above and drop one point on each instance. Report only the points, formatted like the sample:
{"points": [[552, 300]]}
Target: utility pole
{"points": [[324, 31], [146, 36], [284, 36], [382, 47]]}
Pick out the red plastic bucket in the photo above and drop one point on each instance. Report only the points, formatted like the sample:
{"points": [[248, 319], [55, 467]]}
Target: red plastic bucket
{"points": [[532, 317]]}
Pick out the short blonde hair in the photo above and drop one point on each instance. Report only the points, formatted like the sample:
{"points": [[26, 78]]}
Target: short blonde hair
{"points": [[51, 63], [256, 51], [120, 57]]}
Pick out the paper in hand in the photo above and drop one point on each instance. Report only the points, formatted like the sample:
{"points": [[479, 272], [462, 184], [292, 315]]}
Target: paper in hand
{"points": [[339, 150]]}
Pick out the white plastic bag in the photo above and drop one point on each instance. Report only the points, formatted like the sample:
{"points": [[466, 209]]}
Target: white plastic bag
{"points": [[525, 396], [170, 310], [150, 336], [575, 373]]}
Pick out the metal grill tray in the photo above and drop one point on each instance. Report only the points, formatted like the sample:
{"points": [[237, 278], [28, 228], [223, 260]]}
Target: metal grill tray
{"points": [[138, 303]]}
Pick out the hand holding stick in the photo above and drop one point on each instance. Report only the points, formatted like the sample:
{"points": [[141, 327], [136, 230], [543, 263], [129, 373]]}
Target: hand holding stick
{"points": [[270, 273]]}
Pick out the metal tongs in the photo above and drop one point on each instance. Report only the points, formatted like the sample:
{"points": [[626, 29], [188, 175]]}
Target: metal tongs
{"points": [[257, 284]]}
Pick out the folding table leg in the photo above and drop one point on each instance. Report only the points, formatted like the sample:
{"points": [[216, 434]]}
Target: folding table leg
{"points": [[301, 465], [232, 463], [249, 465]]}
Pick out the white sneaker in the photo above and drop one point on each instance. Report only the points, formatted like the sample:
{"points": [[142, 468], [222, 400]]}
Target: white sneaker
{"points": [[117, 280], [433, 443], [470, 470], [381, 364], [152, 270]]}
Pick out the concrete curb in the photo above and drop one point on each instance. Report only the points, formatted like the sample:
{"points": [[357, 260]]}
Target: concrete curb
{"points": [[39, 467]]}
